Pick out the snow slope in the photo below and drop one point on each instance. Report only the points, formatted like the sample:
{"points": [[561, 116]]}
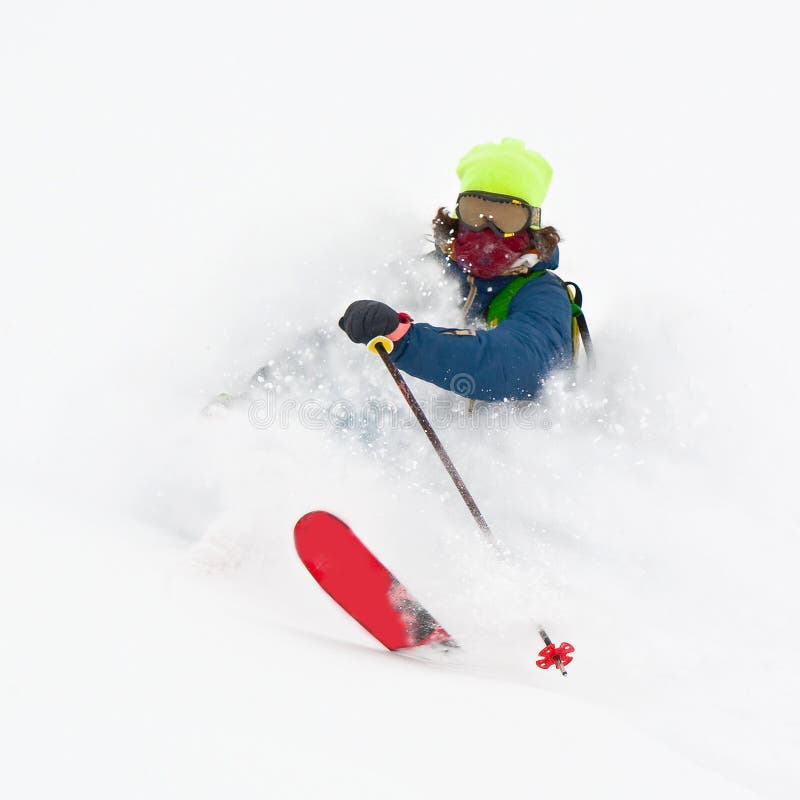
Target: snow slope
{"points": [[191, 191]]}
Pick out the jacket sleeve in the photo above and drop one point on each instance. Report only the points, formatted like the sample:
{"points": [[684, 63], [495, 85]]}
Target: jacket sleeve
{"points": [[509, 361]]}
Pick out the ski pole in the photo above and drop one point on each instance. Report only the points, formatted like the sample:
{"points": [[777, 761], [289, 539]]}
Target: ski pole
{"points": [[383, 346], [551, 655]]}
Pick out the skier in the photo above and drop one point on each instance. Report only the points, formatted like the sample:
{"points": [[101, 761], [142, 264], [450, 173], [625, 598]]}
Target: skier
{"points": [[520, 314]]}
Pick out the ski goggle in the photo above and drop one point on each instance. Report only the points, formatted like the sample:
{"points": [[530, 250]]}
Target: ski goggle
{"points": [[505, 215]]}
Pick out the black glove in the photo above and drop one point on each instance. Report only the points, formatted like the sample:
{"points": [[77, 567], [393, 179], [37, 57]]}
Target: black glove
{"points": [[366, 319]]}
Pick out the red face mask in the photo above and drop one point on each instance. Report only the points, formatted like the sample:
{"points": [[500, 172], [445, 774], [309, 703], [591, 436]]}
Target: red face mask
{"points": [[486, 254]]}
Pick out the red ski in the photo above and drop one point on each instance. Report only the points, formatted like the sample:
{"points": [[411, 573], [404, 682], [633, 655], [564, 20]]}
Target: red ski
{"points": [[362, 586]]}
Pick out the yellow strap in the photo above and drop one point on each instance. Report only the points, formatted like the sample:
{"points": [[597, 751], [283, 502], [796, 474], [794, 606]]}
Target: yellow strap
{"points": [[576, 333]]}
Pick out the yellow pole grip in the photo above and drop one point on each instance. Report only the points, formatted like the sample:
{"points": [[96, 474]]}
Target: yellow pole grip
{"points": [[387, 343]]}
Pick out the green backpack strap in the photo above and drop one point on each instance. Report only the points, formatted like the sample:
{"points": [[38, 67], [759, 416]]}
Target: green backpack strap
{"points": [[498, 310]]}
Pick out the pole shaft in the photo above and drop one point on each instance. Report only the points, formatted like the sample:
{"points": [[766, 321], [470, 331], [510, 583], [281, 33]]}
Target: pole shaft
{"points": [[434, 440]]}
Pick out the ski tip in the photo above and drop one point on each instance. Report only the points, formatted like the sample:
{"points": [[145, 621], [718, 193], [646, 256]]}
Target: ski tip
{"points": [[311, 521]]}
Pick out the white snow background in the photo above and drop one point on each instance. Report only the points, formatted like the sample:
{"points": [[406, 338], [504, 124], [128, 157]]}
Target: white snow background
{"points": [[189, 189]]}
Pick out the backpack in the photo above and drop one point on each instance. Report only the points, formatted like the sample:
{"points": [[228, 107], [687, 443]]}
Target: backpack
{"points": [[498, 311]]}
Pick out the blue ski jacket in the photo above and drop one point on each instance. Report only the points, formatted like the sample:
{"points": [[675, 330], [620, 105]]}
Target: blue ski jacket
{"points": [[509, 361]]}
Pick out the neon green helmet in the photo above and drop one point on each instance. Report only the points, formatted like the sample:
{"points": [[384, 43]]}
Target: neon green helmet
{"points": [[506, 168]]}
